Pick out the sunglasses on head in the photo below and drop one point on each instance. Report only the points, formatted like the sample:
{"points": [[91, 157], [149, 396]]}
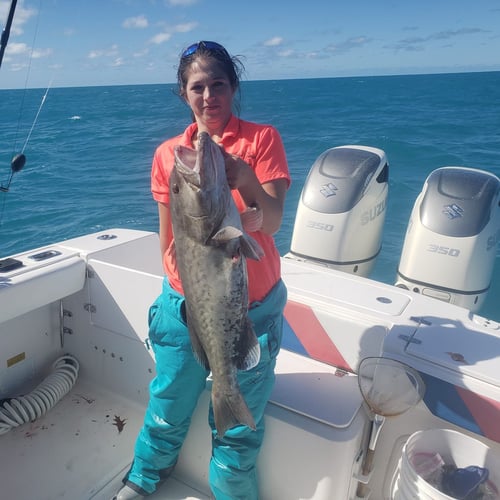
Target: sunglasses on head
{"points": [[211, 46]]}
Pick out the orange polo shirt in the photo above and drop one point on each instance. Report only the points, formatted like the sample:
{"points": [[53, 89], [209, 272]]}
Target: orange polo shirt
{"points": [[262, 148]]}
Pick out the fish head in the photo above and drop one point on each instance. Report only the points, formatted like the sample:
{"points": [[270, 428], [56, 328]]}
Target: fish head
{"points": [[199, 177]]}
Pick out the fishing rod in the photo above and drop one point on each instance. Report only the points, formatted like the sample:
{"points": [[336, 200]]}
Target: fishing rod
{"points": [[6, 30], [19, 160]]}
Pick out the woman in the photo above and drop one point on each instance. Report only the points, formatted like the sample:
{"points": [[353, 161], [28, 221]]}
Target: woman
{"points": [[257, 172]]}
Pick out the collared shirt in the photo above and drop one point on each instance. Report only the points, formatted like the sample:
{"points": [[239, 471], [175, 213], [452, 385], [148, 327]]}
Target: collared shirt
{"points": [[262, 148]]}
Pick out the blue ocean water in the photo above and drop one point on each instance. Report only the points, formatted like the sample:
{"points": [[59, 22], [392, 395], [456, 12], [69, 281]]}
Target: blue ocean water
{"points": [[89, 155]]}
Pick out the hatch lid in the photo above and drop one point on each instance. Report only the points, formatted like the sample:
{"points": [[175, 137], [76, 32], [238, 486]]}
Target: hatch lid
{"points": [[464, 351]]}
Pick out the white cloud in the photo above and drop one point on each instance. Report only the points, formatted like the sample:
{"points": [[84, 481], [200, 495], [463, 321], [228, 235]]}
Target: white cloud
{"points": [[168, 31], [111, 52], [348, 44], [39, 53], [273, 42], [18, 66], [166, 35], [185, 27], [417, 43], [161, 38], [15, 48], [18, 48], [138, 22]]}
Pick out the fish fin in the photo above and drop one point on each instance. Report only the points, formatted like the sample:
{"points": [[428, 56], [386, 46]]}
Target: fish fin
{"points": [[230, 410], [249, 349], [198, 351], [250, 248], [227, 233]]}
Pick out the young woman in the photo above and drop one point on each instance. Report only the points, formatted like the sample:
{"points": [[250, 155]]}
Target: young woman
{"points": [[257, 172]]}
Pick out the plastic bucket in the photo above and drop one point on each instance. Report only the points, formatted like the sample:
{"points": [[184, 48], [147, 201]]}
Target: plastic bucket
{"points": [[454, 448]]}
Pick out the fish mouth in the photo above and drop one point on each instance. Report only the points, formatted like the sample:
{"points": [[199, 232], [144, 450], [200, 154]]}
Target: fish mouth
{"points": [[199, 167], [187, 165]]}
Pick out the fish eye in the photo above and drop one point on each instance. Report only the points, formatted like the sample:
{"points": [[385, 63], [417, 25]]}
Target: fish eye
{"points": [[175, 188]]}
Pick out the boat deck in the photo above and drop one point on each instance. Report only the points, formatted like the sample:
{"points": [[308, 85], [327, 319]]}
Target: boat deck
{"points": [[82, 448], [39, 463]]}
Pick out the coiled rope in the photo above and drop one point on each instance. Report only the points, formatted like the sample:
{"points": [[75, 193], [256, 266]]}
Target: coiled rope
{"points": [[23, 409]]}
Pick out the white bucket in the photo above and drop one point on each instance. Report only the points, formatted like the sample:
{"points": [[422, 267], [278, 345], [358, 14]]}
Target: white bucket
{"points": [[454, 448]]}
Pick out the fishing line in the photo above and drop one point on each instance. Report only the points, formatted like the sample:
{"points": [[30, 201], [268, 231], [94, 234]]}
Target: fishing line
{"points": [[18, 160], [36, 117], [30, 60]]}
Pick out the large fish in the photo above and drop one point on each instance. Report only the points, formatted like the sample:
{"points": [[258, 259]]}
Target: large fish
{"points": [[211, 248]]}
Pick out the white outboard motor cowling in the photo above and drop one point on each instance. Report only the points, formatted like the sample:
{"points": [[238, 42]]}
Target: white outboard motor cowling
{"points": [[341, 209], [450, 244]]}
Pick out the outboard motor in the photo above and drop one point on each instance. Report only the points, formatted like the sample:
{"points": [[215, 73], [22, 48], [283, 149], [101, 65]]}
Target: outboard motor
{"points": [[450, 244], [341, 209]]}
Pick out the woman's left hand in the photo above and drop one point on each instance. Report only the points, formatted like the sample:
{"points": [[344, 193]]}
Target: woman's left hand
{"points": [[252, 219], [269, 197], [237, 171]]}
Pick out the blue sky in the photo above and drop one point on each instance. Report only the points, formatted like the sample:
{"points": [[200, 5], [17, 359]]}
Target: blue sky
{"points": [[110, 42]]}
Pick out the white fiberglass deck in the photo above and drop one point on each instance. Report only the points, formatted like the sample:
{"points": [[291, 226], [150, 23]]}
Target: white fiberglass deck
{"points": [[78, 450], [81, 449]]}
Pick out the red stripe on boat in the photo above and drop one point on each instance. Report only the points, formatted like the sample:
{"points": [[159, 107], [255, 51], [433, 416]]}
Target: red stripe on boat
{"points": [[313, 336], [485, 412]]}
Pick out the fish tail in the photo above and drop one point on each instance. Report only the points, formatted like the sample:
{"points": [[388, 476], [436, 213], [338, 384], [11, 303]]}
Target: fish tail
{"points": [[230, 410]]}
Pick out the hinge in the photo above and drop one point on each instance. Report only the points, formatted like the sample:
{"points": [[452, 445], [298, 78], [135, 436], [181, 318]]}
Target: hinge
{"points": [[63, 330]]}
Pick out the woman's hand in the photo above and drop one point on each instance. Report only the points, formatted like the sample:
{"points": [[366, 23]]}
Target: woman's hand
{"points": [[252, 219], [268, 197], [237, 171]]}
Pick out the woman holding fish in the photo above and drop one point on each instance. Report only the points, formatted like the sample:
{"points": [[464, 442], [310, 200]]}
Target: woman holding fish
{"points": [[220, 188]]}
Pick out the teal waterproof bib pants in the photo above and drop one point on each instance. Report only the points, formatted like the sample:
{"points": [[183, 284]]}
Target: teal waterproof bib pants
{"points": [[175, 390]]}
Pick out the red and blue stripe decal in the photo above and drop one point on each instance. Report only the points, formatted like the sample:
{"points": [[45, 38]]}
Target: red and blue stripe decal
{"points": [[462, 407], [304, 334]]}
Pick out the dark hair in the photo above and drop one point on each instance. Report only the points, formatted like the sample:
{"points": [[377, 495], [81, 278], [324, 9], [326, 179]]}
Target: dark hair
{"points": [[231, 65]]}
